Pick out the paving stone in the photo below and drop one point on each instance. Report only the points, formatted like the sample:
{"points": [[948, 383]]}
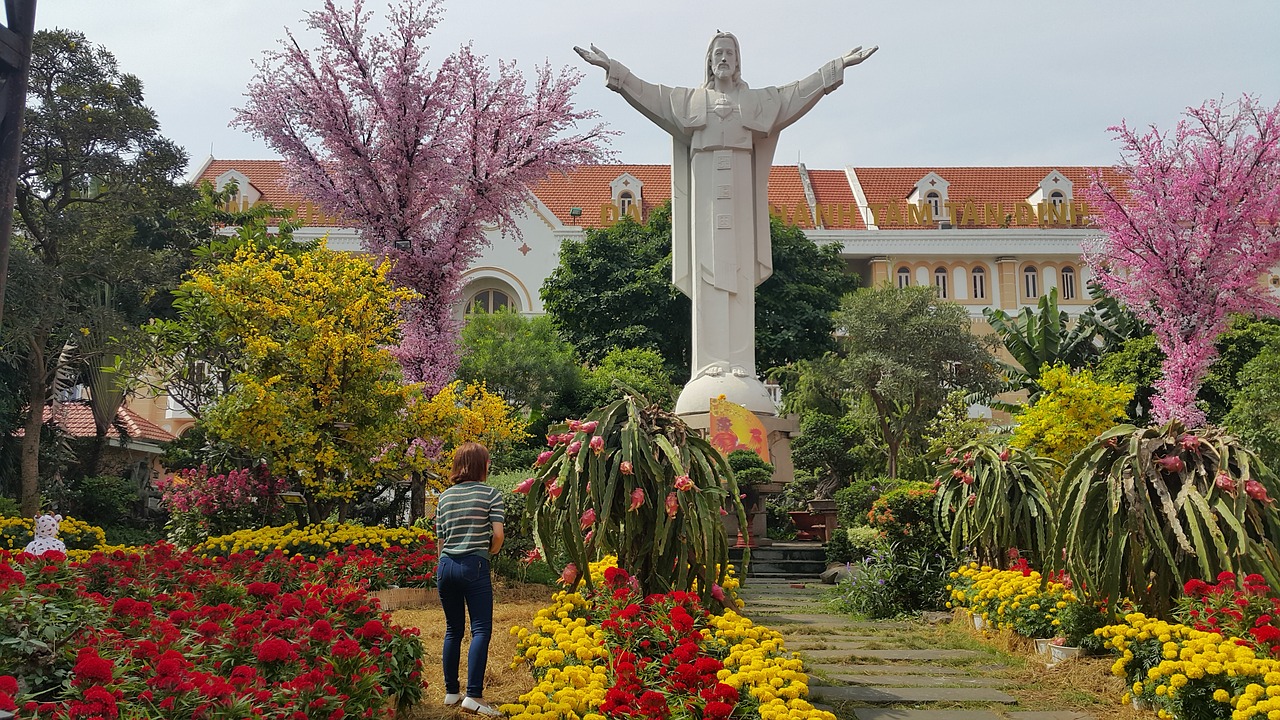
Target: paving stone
{"points": [[895, 714], [807, 646], [896, 695], [918, 680], [833, 621], [1049, 715], [894, 654], [888, 669]]}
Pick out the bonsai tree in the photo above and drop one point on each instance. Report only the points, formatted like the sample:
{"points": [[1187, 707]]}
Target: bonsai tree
{"points": [[633, 480]]}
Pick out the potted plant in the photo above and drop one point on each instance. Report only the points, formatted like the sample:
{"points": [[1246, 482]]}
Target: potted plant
{"points": [[1077, 622], [750, 471]]}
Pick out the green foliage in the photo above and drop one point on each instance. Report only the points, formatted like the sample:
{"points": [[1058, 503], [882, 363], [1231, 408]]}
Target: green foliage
{"points": [[613, 290], [38, 633], [855, 501], [904, 517], [1073, 410], [646, 459], [520, 358], [9, 507], [1136, 362], [836, 449], [907, 350], [896, 580], [991, 499], [103, 498], [1244, 340], [1255, 409], [854, 545], [1078, 621], [1143, 510], [1040, 337], [749, 468], [640, 369], [794, 306], [952, 426]]}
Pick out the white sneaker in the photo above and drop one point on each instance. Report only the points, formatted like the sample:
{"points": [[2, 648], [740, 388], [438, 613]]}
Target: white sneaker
{"points": [[479, 707], [451, 699]]}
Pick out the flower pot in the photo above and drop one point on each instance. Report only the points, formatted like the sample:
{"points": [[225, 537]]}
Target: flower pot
{"points": [[1042, 646], [978, 622], [1140, 703], [1058, 653]]}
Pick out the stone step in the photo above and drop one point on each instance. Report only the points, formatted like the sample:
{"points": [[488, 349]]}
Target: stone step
{"points": [[898, 695], [891, 669], [902, 680], [792, 568], [894, 654], [777, 552], [897, 714]]}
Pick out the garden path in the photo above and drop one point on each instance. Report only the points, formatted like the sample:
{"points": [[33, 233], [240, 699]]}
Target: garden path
{"points": [[906, 670]]}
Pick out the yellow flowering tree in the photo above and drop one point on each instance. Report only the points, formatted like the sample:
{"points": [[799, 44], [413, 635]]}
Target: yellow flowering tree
{"points": [[1071, 412], [316, 393]]}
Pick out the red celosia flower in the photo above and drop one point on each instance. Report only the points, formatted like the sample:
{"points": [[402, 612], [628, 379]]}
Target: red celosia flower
{"points": [[274, 650], [90, 668], [371, 631], [346, 648]]}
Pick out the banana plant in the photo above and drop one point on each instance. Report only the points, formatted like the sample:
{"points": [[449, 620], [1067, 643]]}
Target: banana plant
{"points": [[633, 480], [1143, 510], [1038, 338], [992, 499]]}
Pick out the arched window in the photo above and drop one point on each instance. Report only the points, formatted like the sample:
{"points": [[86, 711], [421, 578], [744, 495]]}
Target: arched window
{"points": [[940, 281], [1057, 198], [489, 301], [904, 276], [979, 283], [1068, 283], [934, 198], [625, 200], [1031, 282]]}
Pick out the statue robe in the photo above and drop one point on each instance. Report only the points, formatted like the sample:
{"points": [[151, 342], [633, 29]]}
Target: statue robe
{"points": [[723, 146]]}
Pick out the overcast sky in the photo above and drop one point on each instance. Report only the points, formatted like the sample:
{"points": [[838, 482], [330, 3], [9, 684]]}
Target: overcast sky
{"points": [[956, 82]]}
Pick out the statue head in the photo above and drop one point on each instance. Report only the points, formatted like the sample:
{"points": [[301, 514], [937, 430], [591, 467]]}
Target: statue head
{"points": [[727, 61]]}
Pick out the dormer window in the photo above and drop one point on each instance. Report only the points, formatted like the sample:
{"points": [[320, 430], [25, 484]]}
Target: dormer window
{"points": [[1055, 189], [932, 191], [1056, 198], [904, 277], [627, 193], [246, 194]]}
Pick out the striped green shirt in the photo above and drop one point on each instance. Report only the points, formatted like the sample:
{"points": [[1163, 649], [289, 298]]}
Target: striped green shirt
{"points": [[465, 514]]}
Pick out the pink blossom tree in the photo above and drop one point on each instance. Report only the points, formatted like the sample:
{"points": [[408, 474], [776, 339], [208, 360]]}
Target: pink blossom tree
{"points": [[1189, 237], [420, 159]]}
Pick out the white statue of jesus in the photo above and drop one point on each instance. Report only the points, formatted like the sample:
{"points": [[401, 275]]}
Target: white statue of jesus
{"points": [[724, 135]]}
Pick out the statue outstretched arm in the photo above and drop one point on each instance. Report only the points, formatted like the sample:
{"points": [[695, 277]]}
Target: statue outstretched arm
{"points": [[799, 97], [653, 101], [857, 55]]}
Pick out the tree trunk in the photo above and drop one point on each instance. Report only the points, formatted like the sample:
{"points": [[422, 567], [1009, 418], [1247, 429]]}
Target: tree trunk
{"points": [[894, 444], [418, 499], [30, 447]]}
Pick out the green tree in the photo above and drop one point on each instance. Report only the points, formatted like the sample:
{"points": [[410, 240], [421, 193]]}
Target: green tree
{"points": [[640, 369], [906, 350], [1071, 412], [836, 449], [95, 188], [520, 358], [614, 289], [1255, 409]]}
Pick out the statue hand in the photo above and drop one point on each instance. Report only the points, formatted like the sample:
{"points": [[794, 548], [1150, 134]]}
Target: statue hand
{"points": [[857, 55], [595, 56]]}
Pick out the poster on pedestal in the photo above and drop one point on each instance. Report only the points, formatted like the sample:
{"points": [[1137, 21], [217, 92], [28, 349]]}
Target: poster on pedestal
{"points": [[733, 427]]}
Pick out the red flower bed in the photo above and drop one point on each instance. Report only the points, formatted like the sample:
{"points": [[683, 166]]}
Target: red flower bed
{"points": [[1245, 608], [165, 633]]}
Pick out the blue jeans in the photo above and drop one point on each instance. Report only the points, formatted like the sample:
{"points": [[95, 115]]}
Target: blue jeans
{"points": [[464, 583]]}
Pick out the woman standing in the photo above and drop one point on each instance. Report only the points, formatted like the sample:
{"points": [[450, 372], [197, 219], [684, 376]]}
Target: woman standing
{"points": [[469, 517]]}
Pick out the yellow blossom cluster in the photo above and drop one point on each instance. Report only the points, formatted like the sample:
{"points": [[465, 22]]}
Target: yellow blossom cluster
{"points": [[1186, 664], [566, 652], [1001, 596], [312, 541], [16, 532]]}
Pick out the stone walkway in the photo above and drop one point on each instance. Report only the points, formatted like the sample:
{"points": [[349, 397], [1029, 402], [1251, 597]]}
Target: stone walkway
{"points": [[886, 670]]}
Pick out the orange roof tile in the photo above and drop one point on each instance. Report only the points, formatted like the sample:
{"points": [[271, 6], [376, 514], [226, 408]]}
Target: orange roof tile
{"points": [[75, 417], [269, 179], [889, 188]]}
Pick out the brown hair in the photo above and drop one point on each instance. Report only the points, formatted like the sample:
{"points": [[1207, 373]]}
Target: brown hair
{"points": [[470, 462]]}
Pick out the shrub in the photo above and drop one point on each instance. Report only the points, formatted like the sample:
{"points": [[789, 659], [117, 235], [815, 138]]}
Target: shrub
{"points": [[104, 498], [9, 507], [899, 579], [1079, 620], [1073, 410], [904, 516], [853, 502], [852, 545], [202, 504]]}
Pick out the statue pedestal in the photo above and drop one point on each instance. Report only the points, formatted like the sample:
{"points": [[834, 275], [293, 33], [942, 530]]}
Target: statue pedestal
{"points": [[780, 431], [746, 391]]}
